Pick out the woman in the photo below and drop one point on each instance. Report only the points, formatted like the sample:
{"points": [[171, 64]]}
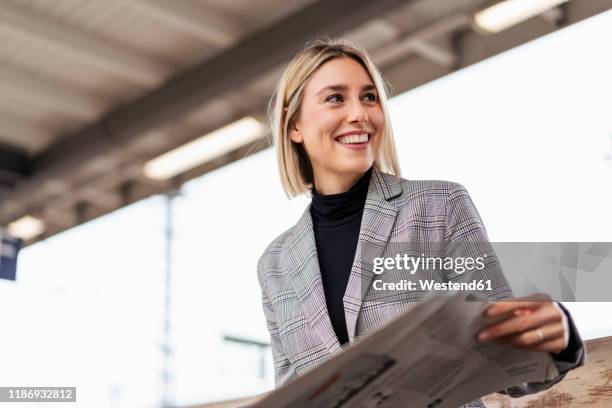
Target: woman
{"points": [[334, 141]]}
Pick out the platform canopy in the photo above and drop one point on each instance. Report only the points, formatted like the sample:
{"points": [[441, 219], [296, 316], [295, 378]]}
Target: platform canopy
{"points": [[90, 91]]}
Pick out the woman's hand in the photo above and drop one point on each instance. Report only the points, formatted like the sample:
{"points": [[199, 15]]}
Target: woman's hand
{"points": [[534, 323]]}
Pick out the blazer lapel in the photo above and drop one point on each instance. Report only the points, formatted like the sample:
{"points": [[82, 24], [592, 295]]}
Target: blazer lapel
{"points": [[305, 276], [376, 224]]}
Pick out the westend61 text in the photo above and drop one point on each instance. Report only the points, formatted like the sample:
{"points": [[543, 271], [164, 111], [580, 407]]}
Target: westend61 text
{"points": [[411, 263], [423, 285]]}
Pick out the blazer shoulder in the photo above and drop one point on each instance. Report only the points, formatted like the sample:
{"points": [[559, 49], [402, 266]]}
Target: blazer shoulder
{"points": [[443, 188], [273, 252]]}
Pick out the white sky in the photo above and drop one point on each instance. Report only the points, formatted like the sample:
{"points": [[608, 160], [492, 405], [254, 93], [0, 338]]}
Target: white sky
{"points": [[527, 132]]}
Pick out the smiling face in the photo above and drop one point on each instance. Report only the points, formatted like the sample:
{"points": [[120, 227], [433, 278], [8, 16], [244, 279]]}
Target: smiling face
{"points": [[340, 124]]}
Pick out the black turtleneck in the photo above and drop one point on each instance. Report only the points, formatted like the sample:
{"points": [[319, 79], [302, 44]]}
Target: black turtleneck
{"points": [[337, 219]]}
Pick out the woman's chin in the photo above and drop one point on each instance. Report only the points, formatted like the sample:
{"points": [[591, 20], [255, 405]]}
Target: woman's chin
{"points": [[357, 167]]}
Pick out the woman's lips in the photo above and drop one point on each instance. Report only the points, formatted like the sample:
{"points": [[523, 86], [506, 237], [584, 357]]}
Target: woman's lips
{"points": [[355, 141]]}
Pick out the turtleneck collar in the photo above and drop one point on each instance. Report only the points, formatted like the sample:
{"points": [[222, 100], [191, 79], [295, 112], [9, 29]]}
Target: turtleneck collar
{"points": [[336, 209]]}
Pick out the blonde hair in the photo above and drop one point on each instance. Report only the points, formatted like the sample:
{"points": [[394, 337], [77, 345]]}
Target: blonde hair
{"points": [[293, 163]]}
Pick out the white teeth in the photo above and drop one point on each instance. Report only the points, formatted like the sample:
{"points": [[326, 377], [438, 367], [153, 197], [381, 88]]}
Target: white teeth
{"points": [[362, 138]]}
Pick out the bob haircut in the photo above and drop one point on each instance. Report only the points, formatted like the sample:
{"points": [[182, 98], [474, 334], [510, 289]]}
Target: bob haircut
{"points": [[293, 163]]}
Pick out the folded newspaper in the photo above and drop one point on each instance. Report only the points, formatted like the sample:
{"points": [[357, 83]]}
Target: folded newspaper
{"points": [[427, 357]]}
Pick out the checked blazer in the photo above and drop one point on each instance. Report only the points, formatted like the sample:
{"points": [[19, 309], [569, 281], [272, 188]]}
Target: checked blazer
{"points": [[396, 211]]}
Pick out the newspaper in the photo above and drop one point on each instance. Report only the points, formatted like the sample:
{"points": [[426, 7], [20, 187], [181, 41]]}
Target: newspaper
{"points": [[426, 357]]}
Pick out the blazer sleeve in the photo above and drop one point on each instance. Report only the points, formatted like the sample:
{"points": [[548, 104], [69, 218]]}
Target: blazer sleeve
{"points": [[466, 235], [281, 362], [572, 357]]}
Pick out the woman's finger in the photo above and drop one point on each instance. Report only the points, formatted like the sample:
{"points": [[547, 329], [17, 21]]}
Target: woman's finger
{"points": [[564, 322], [530, 302], [521, 323], [552, 346], [535, 336]]}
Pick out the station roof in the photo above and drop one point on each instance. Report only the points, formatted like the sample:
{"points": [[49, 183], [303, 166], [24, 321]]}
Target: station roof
{"points": [[92, 90]]}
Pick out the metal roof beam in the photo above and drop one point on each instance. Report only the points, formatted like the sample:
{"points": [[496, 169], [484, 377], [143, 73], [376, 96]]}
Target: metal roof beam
{"points": [[103, 199], [443, 56], [414, 40], [22, 135], [48, 95], [15, 162], [74, 43], [14, 167], [193, 18]]}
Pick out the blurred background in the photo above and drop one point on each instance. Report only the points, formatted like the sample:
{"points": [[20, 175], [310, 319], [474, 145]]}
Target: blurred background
{"points": [[137, 190]]}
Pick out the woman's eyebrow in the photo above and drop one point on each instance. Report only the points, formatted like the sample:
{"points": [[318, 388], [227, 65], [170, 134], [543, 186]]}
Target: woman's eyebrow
{"points": [[343, 87]]}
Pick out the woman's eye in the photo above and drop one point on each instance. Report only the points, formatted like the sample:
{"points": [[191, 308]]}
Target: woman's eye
{"points": [[334, 98], [370, 97]]}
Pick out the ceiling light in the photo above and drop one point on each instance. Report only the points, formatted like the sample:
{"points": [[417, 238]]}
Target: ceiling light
{"points": [[510, 12], [203, 149], [26, 228]]}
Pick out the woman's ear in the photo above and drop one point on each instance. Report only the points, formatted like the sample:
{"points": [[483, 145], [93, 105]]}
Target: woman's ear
{"points": [[292, 130], [294, 133]]}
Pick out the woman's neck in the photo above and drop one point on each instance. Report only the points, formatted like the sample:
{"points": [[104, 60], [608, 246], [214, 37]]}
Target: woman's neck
{"points": [[327, 184]]}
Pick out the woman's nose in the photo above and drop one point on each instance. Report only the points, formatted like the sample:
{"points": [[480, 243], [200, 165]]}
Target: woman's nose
{"points": [[357, 112]]}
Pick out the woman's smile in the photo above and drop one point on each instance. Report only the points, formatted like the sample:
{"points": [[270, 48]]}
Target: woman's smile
{"points": [[354, 140]]}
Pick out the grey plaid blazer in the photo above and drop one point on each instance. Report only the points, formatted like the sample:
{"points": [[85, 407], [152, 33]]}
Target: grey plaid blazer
{"points": [[396, 210]]}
